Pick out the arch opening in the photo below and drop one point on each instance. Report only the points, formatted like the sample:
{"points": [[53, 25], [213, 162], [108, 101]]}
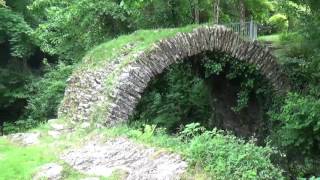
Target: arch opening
{"points": [[211, 88]]}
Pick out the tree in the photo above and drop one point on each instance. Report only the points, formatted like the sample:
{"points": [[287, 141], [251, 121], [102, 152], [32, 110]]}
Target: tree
{"points": [[242, 14], [17, 32], [216, 9], [69, 28], [196, 12]]}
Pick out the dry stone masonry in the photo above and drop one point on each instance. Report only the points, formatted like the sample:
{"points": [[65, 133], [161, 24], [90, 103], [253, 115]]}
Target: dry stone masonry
{"points": [[134, 160], [88, 95]]}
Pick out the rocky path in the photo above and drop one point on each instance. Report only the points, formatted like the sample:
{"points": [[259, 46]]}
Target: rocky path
{"points": [[101, 157], [122, 154]]}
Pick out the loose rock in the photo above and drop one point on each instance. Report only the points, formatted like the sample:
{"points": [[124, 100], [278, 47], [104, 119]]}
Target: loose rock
{"points": [[54, 134], [25, 138], [51, 171]]}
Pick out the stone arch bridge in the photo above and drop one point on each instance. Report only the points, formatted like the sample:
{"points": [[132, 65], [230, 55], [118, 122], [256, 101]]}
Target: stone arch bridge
{"points": [[91, 94]]}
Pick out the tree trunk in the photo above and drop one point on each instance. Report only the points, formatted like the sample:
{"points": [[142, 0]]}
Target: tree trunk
{"points": [[242, 10], [173, 6], [216, 9], [1, 128], [196, 12]]}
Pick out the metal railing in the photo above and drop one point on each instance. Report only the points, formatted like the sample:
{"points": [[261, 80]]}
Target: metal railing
{"points": [[249, 30]]}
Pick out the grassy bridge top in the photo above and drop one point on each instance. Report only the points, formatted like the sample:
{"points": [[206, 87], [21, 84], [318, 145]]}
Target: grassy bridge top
{"points": [[110, 81], [130, 44]]}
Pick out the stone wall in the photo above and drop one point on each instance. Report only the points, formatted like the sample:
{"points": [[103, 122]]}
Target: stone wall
{"points": [[87, 91]]}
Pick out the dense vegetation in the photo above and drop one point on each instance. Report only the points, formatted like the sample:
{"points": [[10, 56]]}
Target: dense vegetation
{"points": [[42, 41]]}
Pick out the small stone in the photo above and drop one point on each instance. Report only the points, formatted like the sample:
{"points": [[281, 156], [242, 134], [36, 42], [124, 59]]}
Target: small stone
{"points": [[51, 171], [90, 178], [57, 127], [25, 138], [99, 126], [52, 121], [54, 134], [85, 125]]}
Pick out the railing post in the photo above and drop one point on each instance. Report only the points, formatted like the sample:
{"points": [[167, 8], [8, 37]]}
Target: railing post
{"points": [[250, 31], [255, 31], [251, 34]]}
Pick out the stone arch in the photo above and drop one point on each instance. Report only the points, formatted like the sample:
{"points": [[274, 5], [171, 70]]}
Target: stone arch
{"points": [[86, 92]]}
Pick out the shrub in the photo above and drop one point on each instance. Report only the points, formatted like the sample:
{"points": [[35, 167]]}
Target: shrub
{"points": [[298, 134], [300, 118], [279, 22], [43, 95], [47, 92], [226, 157]]}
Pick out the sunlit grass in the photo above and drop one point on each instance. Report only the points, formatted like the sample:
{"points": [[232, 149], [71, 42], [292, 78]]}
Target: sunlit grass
{"points": [[18, 162], [274, 38]]}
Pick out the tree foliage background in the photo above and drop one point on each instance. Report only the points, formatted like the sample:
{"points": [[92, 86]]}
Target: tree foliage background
{"points": [[41, 41]]}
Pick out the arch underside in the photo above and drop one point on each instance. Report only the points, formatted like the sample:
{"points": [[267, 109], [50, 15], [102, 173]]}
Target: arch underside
{"points": [[87, 93]]}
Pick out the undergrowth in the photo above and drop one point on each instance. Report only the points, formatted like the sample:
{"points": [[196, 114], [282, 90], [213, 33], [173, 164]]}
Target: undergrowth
{"points": [[220, 154]]}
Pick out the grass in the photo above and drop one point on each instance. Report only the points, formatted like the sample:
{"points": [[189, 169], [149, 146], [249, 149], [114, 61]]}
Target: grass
{"points": [[274, 38], [18, 162], [21, 162], [139, 40]]}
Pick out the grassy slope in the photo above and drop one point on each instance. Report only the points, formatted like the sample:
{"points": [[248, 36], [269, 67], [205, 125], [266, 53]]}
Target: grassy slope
{"points": [[284, 44], [274, 38], [140, 40]]}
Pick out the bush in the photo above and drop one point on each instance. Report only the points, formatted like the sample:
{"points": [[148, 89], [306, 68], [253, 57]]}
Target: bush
{"points": [[300, 118], [43, 95], [298, 134], [279, 22], [224, 156], [47, 92]]}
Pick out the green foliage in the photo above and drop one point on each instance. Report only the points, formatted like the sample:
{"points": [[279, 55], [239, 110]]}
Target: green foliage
{"points": [[191, 130], [178, 97], [69, 28], [14, 29], [226, 157], [183, 94], [279, 22], [300, 117], [47, 92], [12, 88], [43, 95], [251, 81]]}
